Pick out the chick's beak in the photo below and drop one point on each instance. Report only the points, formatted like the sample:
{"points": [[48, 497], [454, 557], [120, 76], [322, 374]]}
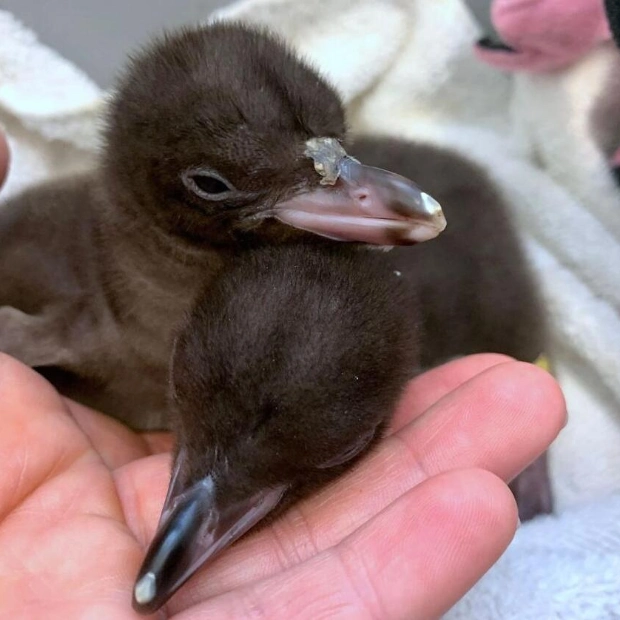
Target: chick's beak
{"points": [[196, 524], [361, 203]]}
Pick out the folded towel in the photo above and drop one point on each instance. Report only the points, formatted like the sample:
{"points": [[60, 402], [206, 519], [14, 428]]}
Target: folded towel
{"points": [[572, 570], [407, 68], [48, 107]]}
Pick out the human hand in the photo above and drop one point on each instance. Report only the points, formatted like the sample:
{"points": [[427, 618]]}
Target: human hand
{"points": [[405, 534]]}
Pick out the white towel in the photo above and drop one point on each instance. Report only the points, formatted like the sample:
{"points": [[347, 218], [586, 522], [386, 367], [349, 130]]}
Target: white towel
{"points": [[48, 107], [405, 68], [567, 567]]}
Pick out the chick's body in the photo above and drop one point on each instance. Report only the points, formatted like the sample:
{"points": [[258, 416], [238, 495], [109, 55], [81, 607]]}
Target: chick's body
{"points": [[100, 327], [215, 141]]}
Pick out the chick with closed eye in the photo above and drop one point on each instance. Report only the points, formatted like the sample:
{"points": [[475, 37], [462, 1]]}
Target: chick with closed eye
{"points": [[285, 374]]}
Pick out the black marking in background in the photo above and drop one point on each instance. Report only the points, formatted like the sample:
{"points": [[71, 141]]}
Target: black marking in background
{"points": [[613, 15], [481, 11]]}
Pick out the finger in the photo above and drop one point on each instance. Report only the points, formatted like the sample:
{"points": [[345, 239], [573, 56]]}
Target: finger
{"points": [[116, 443], [501, 427], [422, 392], [66, 548], [141, 487], [415, 559], [426, 389], [4, 158], [60, 517], [38, 437], [487, 423]]}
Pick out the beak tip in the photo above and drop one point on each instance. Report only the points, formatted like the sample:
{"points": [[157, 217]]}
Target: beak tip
{"points": [[146, 599], [145, 589], [435, 213], [432, 207]]}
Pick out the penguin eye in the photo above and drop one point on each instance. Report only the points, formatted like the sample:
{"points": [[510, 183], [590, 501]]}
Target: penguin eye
{"points": [[350, 452], [207, 184]]}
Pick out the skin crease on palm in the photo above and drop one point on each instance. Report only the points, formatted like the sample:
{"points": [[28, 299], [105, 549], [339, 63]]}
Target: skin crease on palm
{"points": [[405, 534]]}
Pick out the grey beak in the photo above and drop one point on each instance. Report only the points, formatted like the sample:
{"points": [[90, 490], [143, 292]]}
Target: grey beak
{"points": [[196, 524], [361, 203]]}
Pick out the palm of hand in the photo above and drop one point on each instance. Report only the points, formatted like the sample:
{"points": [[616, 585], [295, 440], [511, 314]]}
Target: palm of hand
{"points": [[404, 534]]}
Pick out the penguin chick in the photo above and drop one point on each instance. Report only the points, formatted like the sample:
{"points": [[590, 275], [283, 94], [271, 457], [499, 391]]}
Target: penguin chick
{"points": [[217, 138], [283, 377]]}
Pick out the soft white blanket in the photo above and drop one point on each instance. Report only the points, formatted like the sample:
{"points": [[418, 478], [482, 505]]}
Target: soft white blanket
{"points": [[405, 67]]}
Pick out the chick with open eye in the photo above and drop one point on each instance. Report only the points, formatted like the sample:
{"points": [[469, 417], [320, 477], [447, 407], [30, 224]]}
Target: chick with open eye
{"points": [[218, 138]]}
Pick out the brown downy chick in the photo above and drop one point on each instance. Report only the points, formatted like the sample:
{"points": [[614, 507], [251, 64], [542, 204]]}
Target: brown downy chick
{"points": [[284, 376], [218, 138]]}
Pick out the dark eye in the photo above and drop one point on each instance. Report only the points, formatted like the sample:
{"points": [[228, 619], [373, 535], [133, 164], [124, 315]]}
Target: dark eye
{"points": [[207, 184], [210, 185]]}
